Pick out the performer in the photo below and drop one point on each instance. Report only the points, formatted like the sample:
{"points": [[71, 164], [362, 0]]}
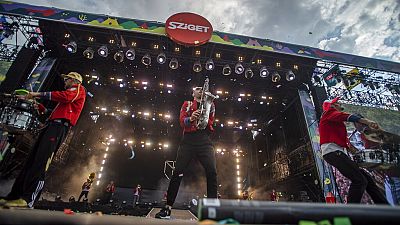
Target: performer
{"points": [[30, 181], [334, 143], [109, 192], [274, 196], [85, 189], [195, 144], [137, 192]]}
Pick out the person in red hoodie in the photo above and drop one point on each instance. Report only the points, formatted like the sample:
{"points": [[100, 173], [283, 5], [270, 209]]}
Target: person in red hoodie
{"points": [[195, 143], [334, 146], [30, 181]]}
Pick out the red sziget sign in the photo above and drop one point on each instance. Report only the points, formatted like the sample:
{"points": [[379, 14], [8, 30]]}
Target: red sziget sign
{"points": [[188, 29]]}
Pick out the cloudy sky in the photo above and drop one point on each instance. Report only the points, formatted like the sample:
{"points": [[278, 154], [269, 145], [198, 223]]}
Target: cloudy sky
{"points": [[368, 28]]}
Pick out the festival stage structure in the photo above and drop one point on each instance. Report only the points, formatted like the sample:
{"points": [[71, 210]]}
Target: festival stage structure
{"points": [[138, 73]]}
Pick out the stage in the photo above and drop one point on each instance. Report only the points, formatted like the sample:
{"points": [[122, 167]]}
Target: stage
{"points": [[35, 216], [244, 212]]}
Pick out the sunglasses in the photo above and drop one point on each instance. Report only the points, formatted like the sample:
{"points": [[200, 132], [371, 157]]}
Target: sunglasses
{"points": [[65, 79]]}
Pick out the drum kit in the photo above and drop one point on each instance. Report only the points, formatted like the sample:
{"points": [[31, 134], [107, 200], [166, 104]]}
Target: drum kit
{"points": [[384, 155], [18, 115]]}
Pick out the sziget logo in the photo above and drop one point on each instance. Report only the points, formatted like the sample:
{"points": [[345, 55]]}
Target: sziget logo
{"points": [[183, 26], [188, 29]]}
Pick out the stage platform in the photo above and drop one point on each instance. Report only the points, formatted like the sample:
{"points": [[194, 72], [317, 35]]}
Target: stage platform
{"points": [[43, 217]]}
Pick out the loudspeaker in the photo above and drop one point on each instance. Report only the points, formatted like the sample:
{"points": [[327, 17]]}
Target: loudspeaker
{"points": [[319, 96], [262, 212], [20, 69]]}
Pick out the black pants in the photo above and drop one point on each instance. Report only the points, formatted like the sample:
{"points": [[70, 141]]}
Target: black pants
{"points": [[83, 193], [360, 180], [135, 200], [30, 180], [206, 156]]}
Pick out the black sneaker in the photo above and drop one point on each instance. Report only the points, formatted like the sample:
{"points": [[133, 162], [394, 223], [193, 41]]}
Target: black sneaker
{"points": [[165, 213]]}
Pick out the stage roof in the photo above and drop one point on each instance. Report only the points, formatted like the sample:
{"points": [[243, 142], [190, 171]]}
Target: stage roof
{"points": [[158, 28]]}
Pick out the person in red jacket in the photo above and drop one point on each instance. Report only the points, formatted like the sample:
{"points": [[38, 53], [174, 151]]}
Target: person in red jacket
{"points": [[30, 181], [334, 146], [195, 143]]}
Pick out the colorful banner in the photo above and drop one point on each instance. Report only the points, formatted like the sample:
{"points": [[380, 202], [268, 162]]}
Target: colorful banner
{"points": [[326, 178], [39, 74], [47, 13], [330, 76]]}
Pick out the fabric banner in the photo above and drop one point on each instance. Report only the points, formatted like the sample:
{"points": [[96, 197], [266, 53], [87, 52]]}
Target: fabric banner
{"points": [[39, 74]]}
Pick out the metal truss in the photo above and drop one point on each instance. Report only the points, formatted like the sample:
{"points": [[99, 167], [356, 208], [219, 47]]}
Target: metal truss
{"points": [[379, 89], [23, 31]]}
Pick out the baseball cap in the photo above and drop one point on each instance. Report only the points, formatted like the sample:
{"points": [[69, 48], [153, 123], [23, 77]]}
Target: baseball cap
{"points": [[327, 103], [73, 75]]}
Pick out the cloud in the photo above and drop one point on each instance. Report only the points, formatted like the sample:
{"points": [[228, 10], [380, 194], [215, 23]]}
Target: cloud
{"points": [[366, 27]]}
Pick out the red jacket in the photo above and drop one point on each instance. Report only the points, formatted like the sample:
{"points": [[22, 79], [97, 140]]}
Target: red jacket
{"points": [[70, 103], [187, 109], [332, 128]]}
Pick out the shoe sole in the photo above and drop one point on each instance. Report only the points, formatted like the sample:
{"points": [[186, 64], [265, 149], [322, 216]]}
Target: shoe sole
{"points": [[164, 217]]}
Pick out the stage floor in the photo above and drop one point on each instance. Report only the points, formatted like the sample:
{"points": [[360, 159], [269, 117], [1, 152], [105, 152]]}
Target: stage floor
{"points": [[34, 216]]}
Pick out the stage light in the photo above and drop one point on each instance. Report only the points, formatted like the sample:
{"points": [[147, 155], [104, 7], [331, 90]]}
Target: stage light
{"points": [[130, 54], [161, 58], [259, 61], [173, 64], [240, 58], [197, 66], [88, 53], [264, 72], [71, 47], [275, 77], [218, 55], [103, 51], [226, 70], [239, 68], [248, 73], [146, 59], [119, 56], [290, 75], [278, 64], [209, 64]]}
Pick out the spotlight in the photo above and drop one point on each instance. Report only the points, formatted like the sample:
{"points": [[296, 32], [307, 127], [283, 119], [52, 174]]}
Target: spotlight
{"points": [[57, 198], [103, 51], [197, 66], [130, 54], [88, 53], [71, 47], [226, 70], [275, 77], [264, 72], [290, 75], [161, 58], [173, 64], [119, 56], [248, 73], [239, 68], [209, 64], [146, 59]]}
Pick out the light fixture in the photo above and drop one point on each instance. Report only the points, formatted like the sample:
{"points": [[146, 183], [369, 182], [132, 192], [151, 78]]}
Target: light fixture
{"points": [[130, 54], [146, 59], [275, 77], [239, 68], [218, 55], [248, 73], [161, 58], [240, 58], [90, 39], [259, 61], [290, 75], [226, 70], [209, 64], [177, 49], [88, 53], [264, 72], [173, 64], [278, 64], [103, 51], [119, 56], [71, 47], [197, 66]]}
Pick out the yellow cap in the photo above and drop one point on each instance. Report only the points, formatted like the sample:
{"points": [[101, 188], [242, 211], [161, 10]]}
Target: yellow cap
{"points": [[73, 75]]}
